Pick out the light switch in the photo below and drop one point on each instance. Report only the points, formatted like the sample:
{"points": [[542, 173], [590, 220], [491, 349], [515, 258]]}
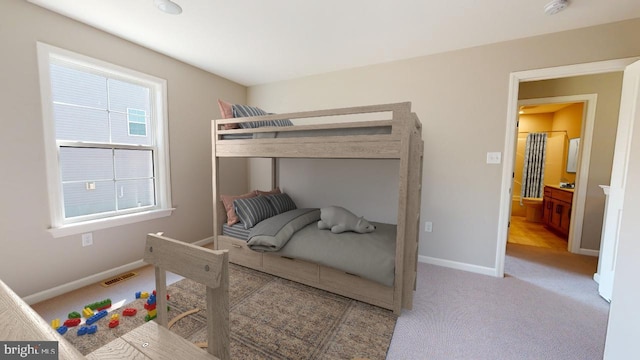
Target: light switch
{"points": [[494, 157]]}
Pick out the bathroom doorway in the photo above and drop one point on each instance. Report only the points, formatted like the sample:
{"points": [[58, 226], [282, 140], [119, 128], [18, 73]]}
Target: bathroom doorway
{"points": [[537, 218], [604, 140]]}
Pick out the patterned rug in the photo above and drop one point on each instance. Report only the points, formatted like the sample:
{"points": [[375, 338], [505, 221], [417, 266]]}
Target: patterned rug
{"points": [[271, 318]]}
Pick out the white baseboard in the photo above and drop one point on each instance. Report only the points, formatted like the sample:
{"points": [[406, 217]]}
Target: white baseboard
{"points": [[77, 284], [458, 265], [596, 278], [92, 279], [588, 252]]}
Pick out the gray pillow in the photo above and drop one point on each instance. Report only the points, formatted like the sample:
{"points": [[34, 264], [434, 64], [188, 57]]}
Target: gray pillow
{"points": [[247, 111], [253, 210], [281, 203]]}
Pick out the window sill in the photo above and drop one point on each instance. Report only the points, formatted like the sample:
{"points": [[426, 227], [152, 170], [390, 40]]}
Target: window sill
{"points": [[93, 225]]}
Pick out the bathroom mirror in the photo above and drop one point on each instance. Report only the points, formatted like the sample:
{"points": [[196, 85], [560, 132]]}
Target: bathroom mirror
{"points": [[572, 155]]}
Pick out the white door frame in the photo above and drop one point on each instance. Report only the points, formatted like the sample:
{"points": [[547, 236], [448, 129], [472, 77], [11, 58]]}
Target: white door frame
{"points": [[584, 157], [510, 136]]}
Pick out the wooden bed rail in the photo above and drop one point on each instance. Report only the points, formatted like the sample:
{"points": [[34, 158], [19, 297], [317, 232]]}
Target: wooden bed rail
{"points": [[395, 108]]}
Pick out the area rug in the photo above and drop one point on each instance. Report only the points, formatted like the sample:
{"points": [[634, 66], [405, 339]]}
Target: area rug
{"points": [[270, 318]]}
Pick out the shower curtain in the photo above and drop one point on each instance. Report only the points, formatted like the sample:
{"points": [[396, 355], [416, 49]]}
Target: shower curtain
{"points": [[533, 170]]}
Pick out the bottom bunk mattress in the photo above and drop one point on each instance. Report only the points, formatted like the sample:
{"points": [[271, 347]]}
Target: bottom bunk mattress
{"points": [[295, 234]]}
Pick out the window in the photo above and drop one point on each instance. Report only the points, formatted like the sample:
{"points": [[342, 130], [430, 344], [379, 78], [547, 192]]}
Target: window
{"points": [[137, 121], [106, 143]]}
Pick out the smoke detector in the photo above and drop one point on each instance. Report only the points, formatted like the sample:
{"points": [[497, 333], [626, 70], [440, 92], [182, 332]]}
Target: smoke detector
{"points": [[555, 6], [168, 6]]}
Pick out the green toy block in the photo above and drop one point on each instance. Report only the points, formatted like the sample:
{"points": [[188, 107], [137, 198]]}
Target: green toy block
{"points": [[74, 315]]}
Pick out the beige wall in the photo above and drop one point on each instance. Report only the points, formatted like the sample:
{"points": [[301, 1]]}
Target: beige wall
{"points": [[607, 87], [32, 260], [460, 193]]}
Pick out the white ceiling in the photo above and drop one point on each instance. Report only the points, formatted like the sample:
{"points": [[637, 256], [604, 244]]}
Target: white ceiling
{"points": [[257, 41]]}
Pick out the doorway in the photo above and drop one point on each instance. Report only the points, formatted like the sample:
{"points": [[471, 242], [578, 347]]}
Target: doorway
{"points": [[511, 133], [560, 121]]}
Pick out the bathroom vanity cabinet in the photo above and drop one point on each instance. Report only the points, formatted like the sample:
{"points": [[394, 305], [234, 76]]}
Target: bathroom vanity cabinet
{"points": [[557, 209]]}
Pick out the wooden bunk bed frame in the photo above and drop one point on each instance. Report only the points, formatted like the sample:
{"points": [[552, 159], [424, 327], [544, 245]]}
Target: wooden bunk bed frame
{"points": [[403, 143]]}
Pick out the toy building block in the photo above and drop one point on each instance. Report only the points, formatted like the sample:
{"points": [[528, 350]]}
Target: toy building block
{"points": [[99, 315], [129, 312], [72, 322], [149, 317], [151, 300], [138, 293], [74, 315], [82, 331], [144, 295], [115, 317], [154, 293], [152, 313], [86, 312], [55, 323], [113, 323], [62, 329], [149, 307], [92, 329], [100, 305]]}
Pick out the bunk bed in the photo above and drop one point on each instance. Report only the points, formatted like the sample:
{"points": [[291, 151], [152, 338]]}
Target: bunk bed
{"points": [[397, 136]]}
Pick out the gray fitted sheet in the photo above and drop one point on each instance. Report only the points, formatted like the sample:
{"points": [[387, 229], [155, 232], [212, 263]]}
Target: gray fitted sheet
{"points": [[371, 256]]}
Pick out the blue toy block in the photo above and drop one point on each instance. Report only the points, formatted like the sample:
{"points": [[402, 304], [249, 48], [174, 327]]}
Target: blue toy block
{"points": [[62, 329], [92, 329], [138, 294], [151, 300], [99, 315], [82, 331]]}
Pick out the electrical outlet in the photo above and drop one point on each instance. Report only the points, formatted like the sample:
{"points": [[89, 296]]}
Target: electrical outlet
{"points": [[87, 239], [494, 157], [428, 226]]}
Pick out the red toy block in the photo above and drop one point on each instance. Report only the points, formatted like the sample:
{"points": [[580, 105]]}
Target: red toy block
{"points": [[129, 312], [114, 323], [103, 307], [72, 322], [154, 293]]}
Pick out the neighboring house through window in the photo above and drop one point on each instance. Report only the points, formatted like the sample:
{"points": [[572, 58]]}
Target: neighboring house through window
{"points": [[105, 140]]}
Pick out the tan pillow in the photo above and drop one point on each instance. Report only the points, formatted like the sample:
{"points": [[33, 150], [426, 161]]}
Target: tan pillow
{"points": [[227, 201], [226, 110], [270, 192]]}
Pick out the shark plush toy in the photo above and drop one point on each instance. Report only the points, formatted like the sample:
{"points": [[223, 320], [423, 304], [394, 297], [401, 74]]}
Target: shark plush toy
{"points": [[339, 219]]}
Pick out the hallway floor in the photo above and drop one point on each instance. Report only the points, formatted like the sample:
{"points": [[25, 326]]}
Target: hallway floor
{"points": [[524, 232]]}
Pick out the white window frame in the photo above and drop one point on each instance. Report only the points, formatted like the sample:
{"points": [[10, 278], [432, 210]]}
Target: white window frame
{"points": [[158, 126]]}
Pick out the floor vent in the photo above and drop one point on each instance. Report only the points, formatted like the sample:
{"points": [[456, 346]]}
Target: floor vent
{"points": [[118, 279]]}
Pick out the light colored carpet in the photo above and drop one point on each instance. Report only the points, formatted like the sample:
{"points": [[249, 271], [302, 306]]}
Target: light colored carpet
{"points": [[547, 307]]}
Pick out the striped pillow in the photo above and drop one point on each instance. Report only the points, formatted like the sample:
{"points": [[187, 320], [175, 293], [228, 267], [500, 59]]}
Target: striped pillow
{"points": [[281, 202], [247, 111], [281, 122], [253, 210]]}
